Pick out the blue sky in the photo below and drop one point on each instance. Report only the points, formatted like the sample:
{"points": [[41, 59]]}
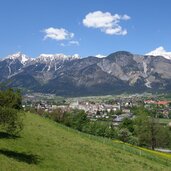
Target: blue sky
{"points": [[85, 27]]}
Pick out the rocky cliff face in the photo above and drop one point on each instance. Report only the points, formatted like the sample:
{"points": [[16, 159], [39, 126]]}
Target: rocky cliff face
{"points": [[74, 76]]}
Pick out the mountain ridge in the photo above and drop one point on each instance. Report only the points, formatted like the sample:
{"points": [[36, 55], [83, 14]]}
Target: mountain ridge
{"points": [[72, 75]]}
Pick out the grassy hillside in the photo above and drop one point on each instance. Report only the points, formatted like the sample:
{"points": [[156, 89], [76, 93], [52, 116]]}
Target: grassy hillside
{"points": [[45, 145]]}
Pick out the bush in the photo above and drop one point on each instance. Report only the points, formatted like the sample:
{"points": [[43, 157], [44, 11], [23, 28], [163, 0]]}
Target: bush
{"points": [[133, 140], [124, 135], [57, 115], [75, 119], [127, 123], [10, 120], [10, 98]]}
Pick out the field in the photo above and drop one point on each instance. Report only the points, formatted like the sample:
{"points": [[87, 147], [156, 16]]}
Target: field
{"points": [[46, 145]]}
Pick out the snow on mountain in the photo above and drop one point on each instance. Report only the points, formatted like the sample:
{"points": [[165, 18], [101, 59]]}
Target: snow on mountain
{"points": [[68, 75], [20, 56], [160, 51], [41, 58], [100, 56], [56, 57]]}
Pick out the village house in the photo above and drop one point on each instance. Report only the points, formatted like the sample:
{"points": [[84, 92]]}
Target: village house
{"points": [[119, 118], [92, 109], [164, 103]]}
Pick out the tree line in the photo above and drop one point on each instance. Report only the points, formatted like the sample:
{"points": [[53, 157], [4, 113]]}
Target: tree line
{"points": [[143, 130]]}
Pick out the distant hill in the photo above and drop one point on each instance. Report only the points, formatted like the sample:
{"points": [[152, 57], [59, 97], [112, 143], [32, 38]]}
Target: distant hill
{"points": [[46, 145], [119, 72]]}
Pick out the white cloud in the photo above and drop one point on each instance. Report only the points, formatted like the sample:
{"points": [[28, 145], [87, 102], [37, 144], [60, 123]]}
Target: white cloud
{"points": [[74, 42], [106, 22], [116, 31], [58, 34], [62, 44], [100, 56], [126, 17], [160, 51]]}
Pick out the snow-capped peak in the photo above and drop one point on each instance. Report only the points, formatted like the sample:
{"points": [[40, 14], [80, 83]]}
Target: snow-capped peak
{"points": [[51, 57], [20, 56], [160, 51], [100, 56], [76, 56]]}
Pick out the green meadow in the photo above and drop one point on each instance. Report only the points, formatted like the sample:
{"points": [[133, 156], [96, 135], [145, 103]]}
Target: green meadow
{"points": [[46, 145]]}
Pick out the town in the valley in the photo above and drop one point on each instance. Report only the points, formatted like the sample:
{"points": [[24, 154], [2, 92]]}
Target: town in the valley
{"points": [[113, 109]]}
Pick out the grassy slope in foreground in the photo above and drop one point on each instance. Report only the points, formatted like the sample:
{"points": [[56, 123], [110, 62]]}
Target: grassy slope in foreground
{"points": [[59, 148]]}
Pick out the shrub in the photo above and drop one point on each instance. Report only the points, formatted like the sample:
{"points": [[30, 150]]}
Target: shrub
{"points": [[10, 98], [10, 120], [124, 134], [57, 115], [75, 119], [127, 123], [133, 140]]}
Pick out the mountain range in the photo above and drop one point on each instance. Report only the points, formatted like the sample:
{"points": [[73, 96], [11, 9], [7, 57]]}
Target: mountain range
{"points": [[64, 75]]}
